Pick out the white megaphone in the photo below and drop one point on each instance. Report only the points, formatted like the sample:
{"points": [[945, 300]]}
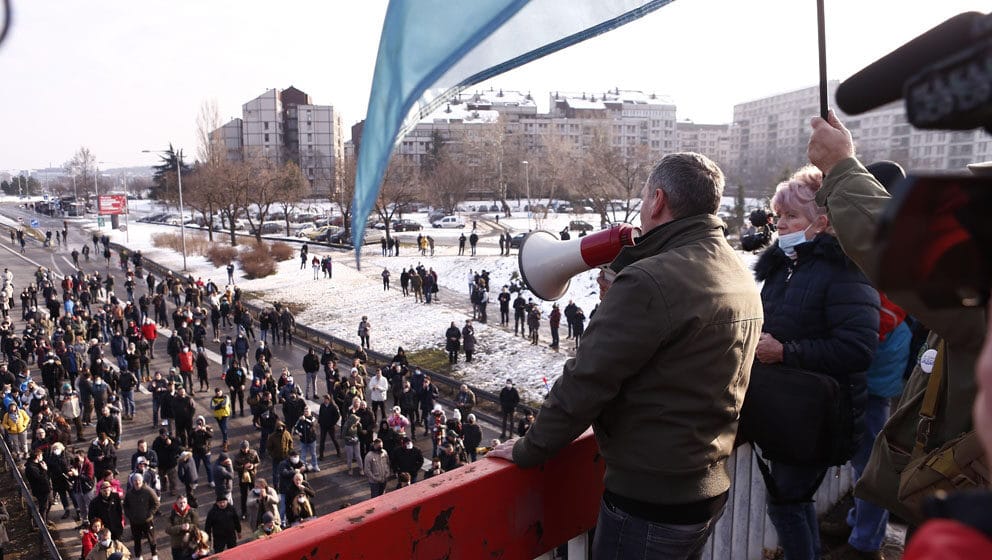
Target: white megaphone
{"points": [[547, 264]]}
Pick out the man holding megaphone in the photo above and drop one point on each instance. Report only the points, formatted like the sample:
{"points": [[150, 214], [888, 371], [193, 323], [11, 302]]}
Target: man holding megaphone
{"points": [[661, 372]]}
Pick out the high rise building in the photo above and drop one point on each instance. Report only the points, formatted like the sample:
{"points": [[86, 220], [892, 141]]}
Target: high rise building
{"points": [[285, 125]]}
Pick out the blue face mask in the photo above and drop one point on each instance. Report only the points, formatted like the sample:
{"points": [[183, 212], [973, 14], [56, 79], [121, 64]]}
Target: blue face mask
{"points": [[789, 241]]}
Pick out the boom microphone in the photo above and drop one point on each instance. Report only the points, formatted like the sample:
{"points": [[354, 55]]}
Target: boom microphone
{"points": [[547, 264], [882, 81]]}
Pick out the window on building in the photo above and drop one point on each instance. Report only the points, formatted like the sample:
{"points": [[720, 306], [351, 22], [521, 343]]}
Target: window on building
{"points": [[266, 125], [309, 137], [266, 137]]}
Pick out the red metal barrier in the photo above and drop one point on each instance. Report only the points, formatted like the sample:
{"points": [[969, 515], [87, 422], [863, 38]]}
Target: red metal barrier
{"points": [[488, 509]]}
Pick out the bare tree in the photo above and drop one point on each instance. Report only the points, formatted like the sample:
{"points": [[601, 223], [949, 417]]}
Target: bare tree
{"points": [[346, 193], [261, 193], [612, 177], [209, 147], [400, 186], [447, 182], [233, 191], [557, 171], [83, 167], [205, 191], [292, 187]]}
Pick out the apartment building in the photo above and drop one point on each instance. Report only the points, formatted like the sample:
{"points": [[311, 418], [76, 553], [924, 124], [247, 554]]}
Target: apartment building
{"points": [[285, 125], [711, 140]]}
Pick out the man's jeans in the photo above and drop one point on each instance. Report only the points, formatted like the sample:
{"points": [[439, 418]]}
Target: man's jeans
{"points": [[867, 520], [377, 488], [309, 450], [621, 535], [311, 386], [795, 523], [127, 400]]}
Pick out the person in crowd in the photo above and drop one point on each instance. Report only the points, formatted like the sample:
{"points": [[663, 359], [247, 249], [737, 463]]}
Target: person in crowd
{"points": [[855, 202], [184, 521], [140, 507], [223, 469], [465, 400], [268, 526], [223, 525], [821, 314], [472, 436], [377, 468], [327, 418], [220, 404], [15, 423], [643, 342], [263, 499], [37, 478], [108, 547], [109, 508], [305, 431], [246, 469], [509, 398]]}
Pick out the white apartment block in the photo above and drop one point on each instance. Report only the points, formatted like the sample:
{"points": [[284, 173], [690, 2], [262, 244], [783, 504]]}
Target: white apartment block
{"points": [[769, 137], [285, 125], [628, 118], [711, 140]]}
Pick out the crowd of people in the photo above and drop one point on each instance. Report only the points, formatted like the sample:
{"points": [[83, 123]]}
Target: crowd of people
{"points": [[82, 360]]}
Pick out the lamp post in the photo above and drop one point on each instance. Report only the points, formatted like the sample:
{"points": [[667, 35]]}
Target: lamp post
{"points": [[530, 205], [179, 181]]}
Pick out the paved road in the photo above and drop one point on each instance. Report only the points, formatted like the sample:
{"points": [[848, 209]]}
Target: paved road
{"points": [[333, 485]]}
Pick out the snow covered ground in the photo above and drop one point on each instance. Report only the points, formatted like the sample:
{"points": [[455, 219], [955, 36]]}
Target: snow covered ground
{"points": [[336, 306]]}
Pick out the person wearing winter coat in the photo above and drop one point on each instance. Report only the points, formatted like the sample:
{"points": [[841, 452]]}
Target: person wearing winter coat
{"points": [[188, 474], [471, 436], [452, 342], [821, 314], [109, 546], [311, 365], [327, 419], [305, 431], [509, 398], [465, 400], [223, 470], [140, 506], [407, 458], [468, 339], [183, 522], [223, 525], [108, 507], [36, 476], [58, 472], [377, 468], [261, 500]]}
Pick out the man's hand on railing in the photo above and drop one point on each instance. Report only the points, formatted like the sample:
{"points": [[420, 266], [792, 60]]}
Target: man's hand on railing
{"points": [[503, 450]]}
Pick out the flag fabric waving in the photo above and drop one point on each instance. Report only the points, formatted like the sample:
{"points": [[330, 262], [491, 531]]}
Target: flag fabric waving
{"points": [[432, 49]]}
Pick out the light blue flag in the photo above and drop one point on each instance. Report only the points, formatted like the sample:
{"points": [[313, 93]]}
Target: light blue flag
{"points": [[432, 49]]}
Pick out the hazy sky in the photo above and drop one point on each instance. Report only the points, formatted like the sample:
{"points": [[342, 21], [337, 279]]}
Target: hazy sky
{"points": [[122, 76]]}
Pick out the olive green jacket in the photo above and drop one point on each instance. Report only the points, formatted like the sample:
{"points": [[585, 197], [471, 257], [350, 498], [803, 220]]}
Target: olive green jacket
{"points": [[662, 369], [855, 201]]}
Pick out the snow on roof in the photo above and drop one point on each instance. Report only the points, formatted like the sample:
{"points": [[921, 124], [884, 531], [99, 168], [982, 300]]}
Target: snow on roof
{"points": [[460, 113], [579, 103]]}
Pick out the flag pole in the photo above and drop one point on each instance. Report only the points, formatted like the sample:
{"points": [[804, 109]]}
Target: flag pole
{"points": [[822, 43]]}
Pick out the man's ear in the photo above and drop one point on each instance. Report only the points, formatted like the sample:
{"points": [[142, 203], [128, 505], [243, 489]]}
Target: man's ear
{"points": [[657, 202]]}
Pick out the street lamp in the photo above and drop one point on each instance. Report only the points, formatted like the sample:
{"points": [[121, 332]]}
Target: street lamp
{"points": [[179, 180], [530, 205]]}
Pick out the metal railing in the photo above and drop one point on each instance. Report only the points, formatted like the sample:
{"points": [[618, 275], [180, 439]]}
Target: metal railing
{"points": [[27, 500]]}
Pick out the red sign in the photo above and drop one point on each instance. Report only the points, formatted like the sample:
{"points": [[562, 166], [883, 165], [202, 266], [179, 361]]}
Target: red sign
{"points": [[109, 204]]}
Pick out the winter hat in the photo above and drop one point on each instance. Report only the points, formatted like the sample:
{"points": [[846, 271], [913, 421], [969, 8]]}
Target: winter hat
{"points": [[200, 419], [396, 409], [267, 517], [141, 460], [456, 414], [245, 444]]}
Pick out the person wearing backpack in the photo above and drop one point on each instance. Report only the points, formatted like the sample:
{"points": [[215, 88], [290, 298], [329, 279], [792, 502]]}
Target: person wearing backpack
{"points": [[822, 316]]}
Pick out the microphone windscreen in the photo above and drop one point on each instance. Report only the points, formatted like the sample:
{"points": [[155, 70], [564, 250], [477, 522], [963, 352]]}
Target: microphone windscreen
{"points": [[882, 81]]}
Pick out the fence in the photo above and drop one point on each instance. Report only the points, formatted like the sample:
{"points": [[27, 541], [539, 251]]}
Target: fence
{"points": [[27, 500]]}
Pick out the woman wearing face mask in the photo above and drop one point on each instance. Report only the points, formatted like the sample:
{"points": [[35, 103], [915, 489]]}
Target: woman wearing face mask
{"points": [[107, 546], [822, 315]]}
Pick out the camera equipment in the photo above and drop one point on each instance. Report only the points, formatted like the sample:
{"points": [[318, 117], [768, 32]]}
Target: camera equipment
{"points": [[944, 75]]}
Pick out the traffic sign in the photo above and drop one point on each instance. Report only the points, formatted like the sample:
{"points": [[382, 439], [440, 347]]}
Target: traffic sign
{"points": [[35, 223], [100, 221]]}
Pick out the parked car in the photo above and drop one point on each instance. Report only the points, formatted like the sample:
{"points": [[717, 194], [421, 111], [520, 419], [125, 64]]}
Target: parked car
{"points": [[323, 231], [339, 237], [450, 222], [270, 227], [406, 225], [517, 240], [579, 225], [379, 225], [435, 216]]}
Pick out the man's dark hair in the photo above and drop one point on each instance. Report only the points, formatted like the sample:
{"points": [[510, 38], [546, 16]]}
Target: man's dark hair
{"points": [[692, 182]]}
